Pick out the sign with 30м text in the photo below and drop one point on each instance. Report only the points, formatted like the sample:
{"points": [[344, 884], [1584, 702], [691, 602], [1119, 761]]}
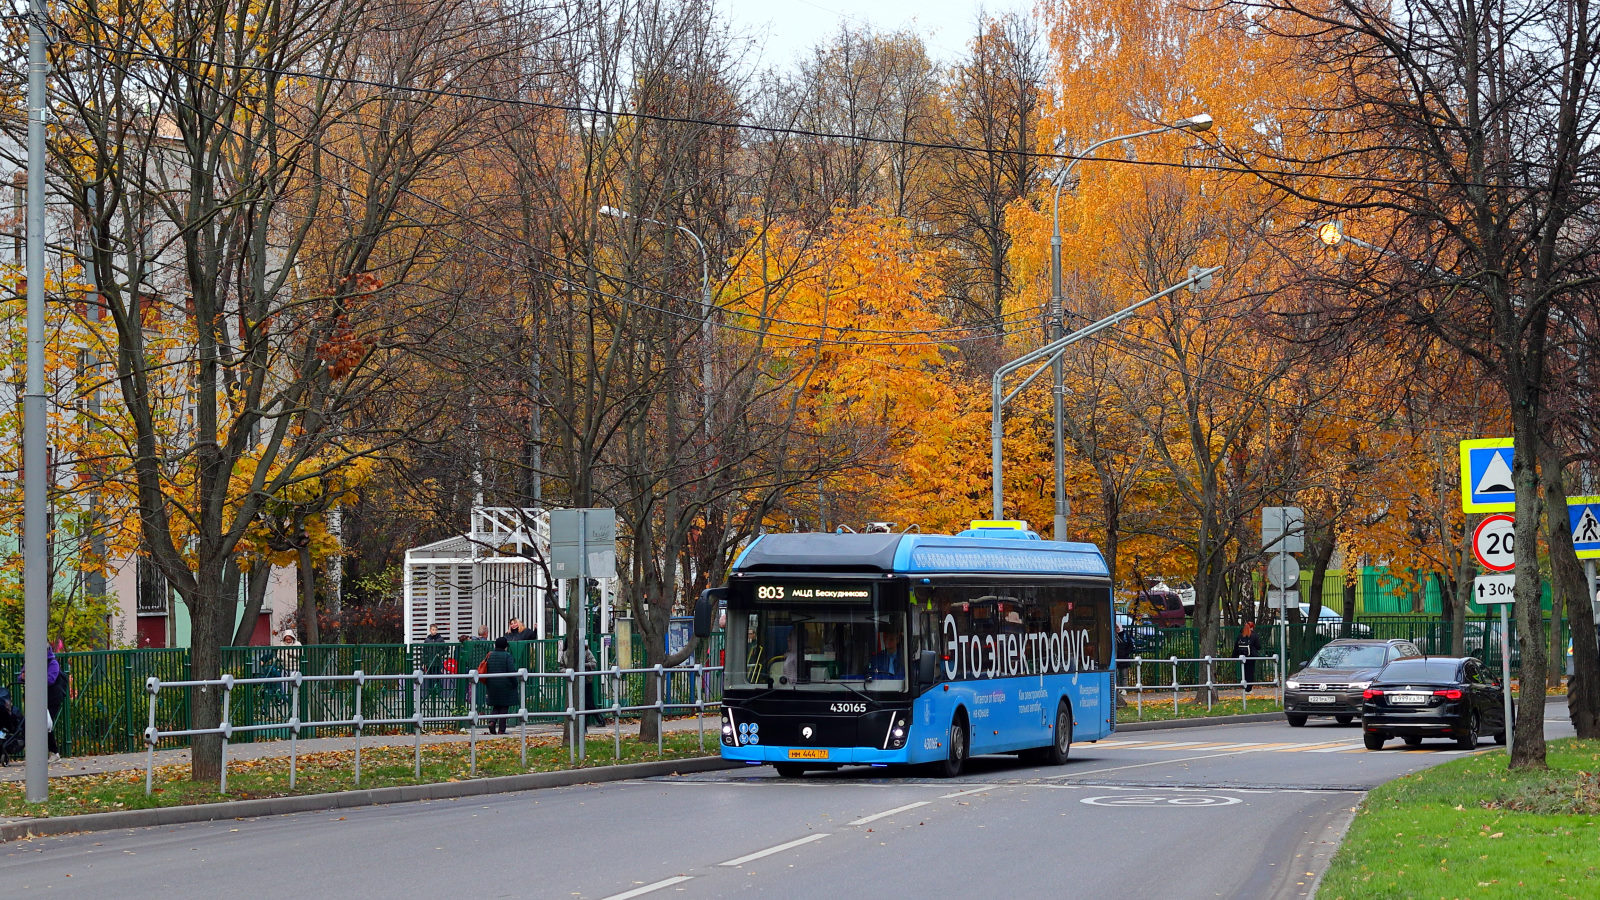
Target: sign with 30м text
{"points": [[1490, 590], [1486, 475]]}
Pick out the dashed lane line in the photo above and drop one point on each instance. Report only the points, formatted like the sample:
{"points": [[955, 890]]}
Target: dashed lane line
{"points": [[749, 857], [886, 813], [641, 891]]}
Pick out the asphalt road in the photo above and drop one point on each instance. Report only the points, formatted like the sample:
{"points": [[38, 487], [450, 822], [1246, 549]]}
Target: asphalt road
{"points": [[1219, 811]]}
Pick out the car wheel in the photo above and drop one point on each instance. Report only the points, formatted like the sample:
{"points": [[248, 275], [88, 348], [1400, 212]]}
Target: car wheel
{"points": [[1296, 720], [1413, 740], [1469, 740], [1373, 740], [789, 770], [956, 757], [1344, 720]]}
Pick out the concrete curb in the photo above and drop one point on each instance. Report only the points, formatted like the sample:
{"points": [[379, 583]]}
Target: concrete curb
{"points": [[273, 806], [1198, 721]]}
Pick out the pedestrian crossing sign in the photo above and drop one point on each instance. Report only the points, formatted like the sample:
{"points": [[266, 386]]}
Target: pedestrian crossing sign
{"points": [[1486, 476], [1584, 514]]}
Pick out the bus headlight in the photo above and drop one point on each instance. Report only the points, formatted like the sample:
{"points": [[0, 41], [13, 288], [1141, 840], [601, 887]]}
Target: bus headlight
{"points": [[727, 730], [897, 733]]}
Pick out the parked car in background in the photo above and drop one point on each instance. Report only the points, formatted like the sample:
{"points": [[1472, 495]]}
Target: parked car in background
{"points": [[1332, 683], [1143, 638], [1164, 607], [1454, 697], [1331, 624]]}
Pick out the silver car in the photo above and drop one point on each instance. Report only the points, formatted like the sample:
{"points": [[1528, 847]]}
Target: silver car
{"points": [[1331, 684]]}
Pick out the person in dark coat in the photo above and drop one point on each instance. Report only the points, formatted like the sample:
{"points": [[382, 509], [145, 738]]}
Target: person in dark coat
{"points": [[1248, 645], [500, 692], [433, 657], [518, 630]]}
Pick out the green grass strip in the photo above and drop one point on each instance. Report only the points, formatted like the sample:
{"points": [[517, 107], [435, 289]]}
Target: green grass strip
{"points": [[1471, 828], [320, 773], [1161, 710]]}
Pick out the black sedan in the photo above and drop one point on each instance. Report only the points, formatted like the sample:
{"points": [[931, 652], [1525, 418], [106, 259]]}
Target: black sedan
{"points": [[1433, 696]]}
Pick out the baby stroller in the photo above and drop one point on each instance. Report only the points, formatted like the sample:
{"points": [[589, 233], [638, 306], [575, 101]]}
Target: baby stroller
{"points": [[11, 742]]}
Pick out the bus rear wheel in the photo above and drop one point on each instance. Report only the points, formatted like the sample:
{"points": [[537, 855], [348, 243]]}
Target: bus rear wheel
{"points": [[956, 753], [1056, 753]]}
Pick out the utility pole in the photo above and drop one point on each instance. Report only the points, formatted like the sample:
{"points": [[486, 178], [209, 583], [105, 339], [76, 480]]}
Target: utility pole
{"points": [[35, 563]]}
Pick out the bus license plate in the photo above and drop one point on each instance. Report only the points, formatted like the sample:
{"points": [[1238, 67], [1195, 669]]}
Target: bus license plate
{"points": [[1321, 698], [808, 754]]}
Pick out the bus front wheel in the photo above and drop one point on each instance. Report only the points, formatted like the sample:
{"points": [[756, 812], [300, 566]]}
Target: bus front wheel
{"points": [[956, 756]]}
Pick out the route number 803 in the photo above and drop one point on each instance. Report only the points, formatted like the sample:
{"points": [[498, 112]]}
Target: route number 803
{"points": [[769, 592]]}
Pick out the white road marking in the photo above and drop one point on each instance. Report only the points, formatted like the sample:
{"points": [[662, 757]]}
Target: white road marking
{"points": [[1159, 762], [641, 891], [965, 793], [771, 850], [1338, 749], [888, 812]]}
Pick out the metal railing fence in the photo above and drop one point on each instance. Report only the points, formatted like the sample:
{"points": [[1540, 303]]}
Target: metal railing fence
{"points": [[1432, 635], [370, 692], [1206, 674], [105, 712]]}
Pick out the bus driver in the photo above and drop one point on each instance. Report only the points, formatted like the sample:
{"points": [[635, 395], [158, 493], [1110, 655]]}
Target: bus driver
{"points": [[886, 663]]}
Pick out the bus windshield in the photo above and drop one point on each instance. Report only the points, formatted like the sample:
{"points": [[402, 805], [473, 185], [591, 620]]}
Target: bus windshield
{"points": [[822, 647]]}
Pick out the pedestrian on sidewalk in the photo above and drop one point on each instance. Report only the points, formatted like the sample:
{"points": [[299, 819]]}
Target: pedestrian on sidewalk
{"points": [[1248, 645], [433, 654], [55, 694], [589, 697], [500, 692]]}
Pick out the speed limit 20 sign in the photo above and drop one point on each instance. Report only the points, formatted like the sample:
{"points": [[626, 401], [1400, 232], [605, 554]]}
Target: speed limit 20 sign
{"points": [[1494, 543]]}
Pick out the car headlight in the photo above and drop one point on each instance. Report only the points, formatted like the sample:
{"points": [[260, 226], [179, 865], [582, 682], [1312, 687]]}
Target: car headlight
{"points": [[1292, 685], [1360, 685]]}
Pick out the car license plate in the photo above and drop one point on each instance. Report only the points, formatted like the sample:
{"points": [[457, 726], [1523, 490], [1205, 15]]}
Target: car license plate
{"points": [[806, 753], [1408, 699], [1321, 698]]}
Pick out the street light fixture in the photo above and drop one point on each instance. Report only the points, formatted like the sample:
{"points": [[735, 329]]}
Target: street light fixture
{"points": [[705, 304], [1050, 354], [1196, 123]]}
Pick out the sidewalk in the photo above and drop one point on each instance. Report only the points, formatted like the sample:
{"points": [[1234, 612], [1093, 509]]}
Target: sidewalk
{"points": [[68, 767]]}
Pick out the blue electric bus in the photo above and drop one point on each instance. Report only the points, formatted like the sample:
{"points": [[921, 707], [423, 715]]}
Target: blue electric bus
{"points": [[882, 649]]}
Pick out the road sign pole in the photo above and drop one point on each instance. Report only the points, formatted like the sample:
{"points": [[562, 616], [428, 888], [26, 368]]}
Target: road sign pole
{"points": [[580, 647], [1505, 675], [1283, 604]]}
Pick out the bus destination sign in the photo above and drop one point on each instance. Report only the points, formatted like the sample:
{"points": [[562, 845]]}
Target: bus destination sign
{"points": [[803, 592]]}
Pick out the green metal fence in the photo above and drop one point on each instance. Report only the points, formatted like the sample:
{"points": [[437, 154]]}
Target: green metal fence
{"points": [[1481, 638], [108, 707]]}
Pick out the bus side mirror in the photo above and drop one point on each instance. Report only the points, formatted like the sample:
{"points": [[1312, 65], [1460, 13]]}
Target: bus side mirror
{"points": [[927, 666], [705, 611]]}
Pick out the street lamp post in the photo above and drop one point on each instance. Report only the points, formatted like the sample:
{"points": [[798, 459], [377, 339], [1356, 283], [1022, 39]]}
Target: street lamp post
{"points": [[35, 521], [1200, 122], [705, 305], [1050, 353]]}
